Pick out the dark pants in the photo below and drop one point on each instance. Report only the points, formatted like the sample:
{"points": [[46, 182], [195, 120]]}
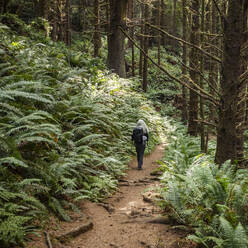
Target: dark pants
{"points": [[140, 148]]}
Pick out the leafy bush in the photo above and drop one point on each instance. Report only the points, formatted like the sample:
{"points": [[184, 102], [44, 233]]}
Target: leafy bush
{"points": [[212, 200], [65, 126]]}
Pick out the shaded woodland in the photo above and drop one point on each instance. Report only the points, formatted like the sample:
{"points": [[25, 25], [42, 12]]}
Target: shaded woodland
{"points": [[76, 74], [208, 35]]}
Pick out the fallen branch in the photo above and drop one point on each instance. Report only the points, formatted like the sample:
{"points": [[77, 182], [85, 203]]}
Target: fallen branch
{"points": [[48, 241], [82, 228], [154, 220]]}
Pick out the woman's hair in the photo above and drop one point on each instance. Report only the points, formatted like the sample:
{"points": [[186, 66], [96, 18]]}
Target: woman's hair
{"points": [[142, 124]]}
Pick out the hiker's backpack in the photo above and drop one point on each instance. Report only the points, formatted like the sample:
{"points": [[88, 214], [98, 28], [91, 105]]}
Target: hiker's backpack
{"points": [[138, 135]]}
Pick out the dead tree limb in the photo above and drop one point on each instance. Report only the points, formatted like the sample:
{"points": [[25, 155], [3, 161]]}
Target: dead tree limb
{"points": [[218, 9], [206, 123], [48, 241], [201, 75], [197, 89], [186, 42]]}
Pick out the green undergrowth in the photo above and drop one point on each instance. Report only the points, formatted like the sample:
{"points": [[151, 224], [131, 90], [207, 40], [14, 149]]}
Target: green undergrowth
{"points": [[65, 127], [209, 200], [161, 89]]}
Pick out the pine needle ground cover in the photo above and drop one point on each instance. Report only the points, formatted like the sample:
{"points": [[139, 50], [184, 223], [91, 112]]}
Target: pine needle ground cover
{"points": [[208, 200], [65, 126]]}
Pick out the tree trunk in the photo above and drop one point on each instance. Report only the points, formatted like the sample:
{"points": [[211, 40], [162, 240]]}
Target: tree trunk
{"points": [[194, 63], [141, 39], [241, 106], [184, 71], [54, 33], [107, 10], [213, 67], [202, 128], [3, 6], [146, 44], [163, 21], [116, 59], [174, 25], [60, 20], [97, 37], [131, 7], [159, 36], [68, 23], [207, 63], [226, 132]]}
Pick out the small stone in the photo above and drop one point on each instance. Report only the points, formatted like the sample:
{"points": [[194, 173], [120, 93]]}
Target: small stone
{"points": [[113, 245]]}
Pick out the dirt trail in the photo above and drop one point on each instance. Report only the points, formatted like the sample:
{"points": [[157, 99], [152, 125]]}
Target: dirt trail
{"points": [[120, 223], [122, 220]]}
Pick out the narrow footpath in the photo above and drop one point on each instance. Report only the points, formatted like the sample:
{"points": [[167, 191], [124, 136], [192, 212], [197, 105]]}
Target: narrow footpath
{"points": [[130, 217]]}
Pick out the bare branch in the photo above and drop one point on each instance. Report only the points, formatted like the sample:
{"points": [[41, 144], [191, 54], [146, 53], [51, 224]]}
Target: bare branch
{"points": [[185, 42], [197, 89], [217, 7], [202, 76], [48, 241], [243, 77], [206, 123]]}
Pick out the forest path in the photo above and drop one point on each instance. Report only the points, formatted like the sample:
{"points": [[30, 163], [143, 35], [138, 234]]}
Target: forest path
{"points": [[124, 219]]}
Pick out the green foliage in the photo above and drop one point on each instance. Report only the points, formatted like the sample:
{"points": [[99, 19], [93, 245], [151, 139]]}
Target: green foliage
{"points": [[161, 89], [65, 127], [199, 194]]}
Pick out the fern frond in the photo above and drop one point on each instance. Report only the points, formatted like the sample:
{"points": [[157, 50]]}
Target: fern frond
{"points": [[240, 237], [30, 96], [90, 138], [36, 139], [12, 161], [9, 108], [55, 205]]}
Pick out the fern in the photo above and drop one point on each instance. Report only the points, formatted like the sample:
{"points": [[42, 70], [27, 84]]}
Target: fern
{"points": [[65, 132], [12, 161], [25, 95], [13, 229], [234, 237], [58, 208], [201, 194]]}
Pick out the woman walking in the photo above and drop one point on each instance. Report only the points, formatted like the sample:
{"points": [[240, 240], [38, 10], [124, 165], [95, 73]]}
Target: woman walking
{"points": [[140, 137]]}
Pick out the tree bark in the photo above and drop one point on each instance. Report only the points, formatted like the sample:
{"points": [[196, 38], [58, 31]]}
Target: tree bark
{"points": [[184, 59], [194, 63], [163, 21], [59, 10], [226, 132], [202, 128], [174, 25], [158, 33], [241, 105], [97, 37], [116, 59], [68, 23], [141, 39], [146, 45], [213, 67], [3, 6], [54, 33], [131, 14]]}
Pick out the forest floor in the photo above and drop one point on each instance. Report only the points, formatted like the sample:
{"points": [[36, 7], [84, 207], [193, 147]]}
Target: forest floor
{"points": [[129, 218]]}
